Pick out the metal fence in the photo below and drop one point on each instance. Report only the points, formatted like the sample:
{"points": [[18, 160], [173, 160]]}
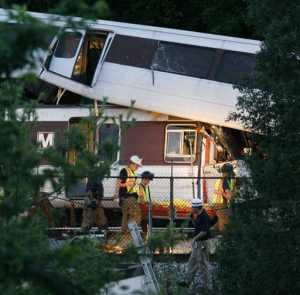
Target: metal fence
{"points": [[171, 198], [171, 195]]}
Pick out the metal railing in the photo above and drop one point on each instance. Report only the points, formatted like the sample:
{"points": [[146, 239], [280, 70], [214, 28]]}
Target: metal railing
{"points": [[171, 195]]}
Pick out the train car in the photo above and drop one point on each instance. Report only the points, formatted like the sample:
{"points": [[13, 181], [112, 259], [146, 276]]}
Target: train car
{"points": [[171, 148], [179, 73], [184, 74]]}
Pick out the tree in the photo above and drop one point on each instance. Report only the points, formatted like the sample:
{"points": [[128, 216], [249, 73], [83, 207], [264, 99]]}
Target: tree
{"points": [[219, 17], [226, 17], [83, 8], [29, 264], [259, 252]]}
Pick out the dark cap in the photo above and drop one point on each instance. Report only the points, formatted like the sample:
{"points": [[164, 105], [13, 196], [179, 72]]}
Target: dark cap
{"points": [[227, 167], [148, 175]]}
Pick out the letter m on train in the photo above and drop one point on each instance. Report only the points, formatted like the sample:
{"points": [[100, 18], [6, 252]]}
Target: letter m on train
{"points": [[45, 139]]}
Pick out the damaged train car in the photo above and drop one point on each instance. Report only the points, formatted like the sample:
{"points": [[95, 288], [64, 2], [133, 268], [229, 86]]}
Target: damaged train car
{"points": [[181, 84], [184, 74]]}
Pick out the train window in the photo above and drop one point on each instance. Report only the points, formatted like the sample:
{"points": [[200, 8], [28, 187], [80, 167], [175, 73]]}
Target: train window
{"points": [[109, 142], [235, 66], [184, 59], [180, 144], [67, 45], [132, 51]]}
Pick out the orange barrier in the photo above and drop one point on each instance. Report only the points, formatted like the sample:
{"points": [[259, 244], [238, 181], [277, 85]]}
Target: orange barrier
{"points": [[161, 209]]}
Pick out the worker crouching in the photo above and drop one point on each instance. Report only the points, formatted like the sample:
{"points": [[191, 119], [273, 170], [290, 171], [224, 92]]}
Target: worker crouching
{"points": [[129, 193]]}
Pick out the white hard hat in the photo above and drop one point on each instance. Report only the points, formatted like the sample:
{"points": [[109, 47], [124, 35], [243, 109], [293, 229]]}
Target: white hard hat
{"points": [[136, 160], [197, 203]]}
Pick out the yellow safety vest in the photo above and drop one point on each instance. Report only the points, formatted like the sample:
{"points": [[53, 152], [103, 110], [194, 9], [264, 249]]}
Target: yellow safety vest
{"points": [[131, 177], [146, 196], [218, 190]]}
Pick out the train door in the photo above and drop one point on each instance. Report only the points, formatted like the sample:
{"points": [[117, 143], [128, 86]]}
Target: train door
{"points": [[79, 54]]}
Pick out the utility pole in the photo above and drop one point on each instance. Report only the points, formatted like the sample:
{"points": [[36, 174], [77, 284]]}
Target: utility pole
{"points": [[172, 209], [97, 139], [200, 142]]}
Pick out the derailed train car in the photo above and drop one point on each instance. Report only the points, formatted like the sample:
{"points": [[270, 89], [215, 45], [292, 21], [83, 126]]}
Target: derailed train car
{"points": [[182, 86], [184, 74]]}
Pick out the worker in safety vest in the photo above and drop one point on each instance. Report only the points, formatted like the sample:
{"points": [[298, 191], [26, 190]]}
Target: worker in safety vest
{"points": [[129, 193], [144, 199], [223, 193], [224, 187]]}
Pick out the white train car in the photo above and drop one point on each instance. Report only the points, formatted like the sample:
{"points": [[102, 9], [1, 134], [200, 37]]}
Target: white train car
{"points": [[185, 74], [179, 73]]}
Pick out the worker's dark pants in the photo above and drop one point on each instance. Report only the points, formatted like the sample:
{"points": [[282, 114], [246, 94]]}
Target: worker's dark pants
{"points": [[198, 263]]}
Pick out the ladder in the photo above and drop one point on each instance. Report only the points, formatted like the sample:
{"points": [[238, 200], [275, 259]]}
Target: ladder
{"points": [[151, 280]]}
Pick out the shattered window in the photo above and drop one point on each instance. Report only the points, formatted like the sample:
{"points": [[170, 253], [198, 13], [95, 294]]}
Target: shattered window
{"points": [[180, 143], [68, 44], [184, 59]]}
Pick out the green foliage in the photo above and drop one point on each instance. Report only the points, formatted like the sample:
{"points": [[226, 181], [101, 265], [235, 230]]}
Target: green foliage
{"points": [[15, 50], [30, 266], [221, 17], [259, 252], [86, 8], [17, 154], [228, 17], [29, 263], [83, 8], [163, 13], [170, 237], [273, 109]]}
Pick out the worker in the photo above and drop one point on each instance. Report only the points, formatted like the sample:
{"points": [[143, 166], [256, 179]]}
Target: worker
{"points": [[93, 212], [198, 261], [145, 200], [223, 192], [129, 193]]}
